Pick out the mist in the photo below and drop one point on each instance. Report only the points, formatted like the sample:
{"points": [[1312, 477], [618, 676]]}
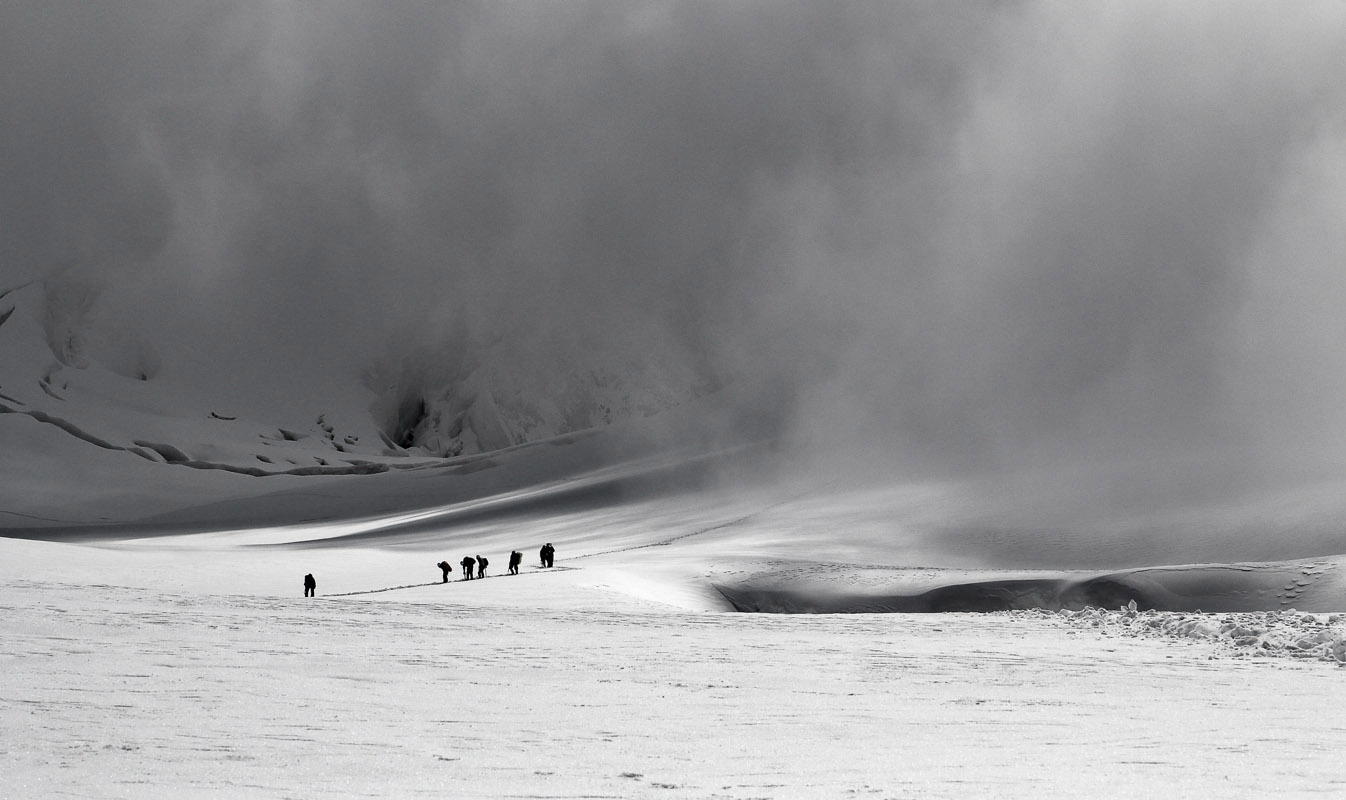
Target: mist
{"points": [[926, 236]]}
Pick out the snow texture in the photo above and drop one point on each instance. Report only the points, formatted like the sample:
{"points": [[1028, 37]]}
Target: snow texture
{"points": [[130, 673], [1270, 633]]}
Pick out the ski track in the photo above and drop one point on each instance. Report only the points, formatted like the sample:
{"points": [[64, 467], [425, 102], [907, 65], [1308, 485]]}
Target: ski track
{"points": [[128, 692]]}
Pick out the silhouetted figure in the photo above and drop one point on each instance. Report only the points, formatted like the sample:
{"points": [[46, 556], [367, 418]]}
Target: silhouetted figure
{"points": [[515, 559], [548, 555], [447, 568], [310, 586], [481, 566], [468, 561]]}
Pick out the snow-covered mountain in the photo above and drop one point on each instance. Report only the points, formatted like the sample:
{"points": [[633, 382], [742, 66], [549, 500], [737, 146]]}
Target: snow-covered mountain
{"points": [[98, 425], [485, 398]]}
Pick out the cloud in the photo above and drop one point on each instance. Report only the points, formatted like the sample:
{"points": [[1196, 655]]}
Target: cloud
{"points": [[953, 232]]}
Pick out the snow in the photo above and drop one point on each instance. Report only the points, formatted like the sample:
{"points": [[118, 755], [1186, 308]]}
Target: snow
{"points": [[191, 666], [87, 441], [563, 683], [1286, 633]]}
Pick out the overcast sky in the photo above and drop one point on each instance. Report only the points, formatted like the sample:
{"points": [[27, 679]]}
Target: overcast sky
{"points": [[973, 229]]}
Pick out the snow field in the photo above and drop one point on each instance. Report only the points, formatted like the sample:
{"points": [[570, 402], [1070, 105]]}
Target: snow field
{"points": [[595, 680]]}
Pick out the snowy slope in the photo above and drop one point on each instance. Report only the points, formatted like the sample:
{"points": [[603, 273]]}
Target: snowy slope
{"points": [[88, 441], [484, 398]]}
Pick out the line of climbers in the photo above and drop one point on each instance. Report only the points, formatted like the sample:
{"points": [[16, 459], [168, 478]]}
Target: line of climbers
{"points": [[547, 556]]}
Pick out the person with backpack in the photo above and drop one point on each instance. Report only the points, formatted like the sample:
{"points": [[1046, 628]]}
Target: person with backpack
{"points": [[515, 559], [310, 586], [548, 555], [468, 561], [481, 566], [446, 567]]}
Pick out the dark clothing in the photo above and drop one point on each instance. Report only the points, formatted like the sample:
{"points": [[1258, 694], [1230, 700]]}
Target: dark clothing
{"points": [[447, 568], [515, 559], [310, 586], [468, 561], [481, 566], [548, 555]]}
